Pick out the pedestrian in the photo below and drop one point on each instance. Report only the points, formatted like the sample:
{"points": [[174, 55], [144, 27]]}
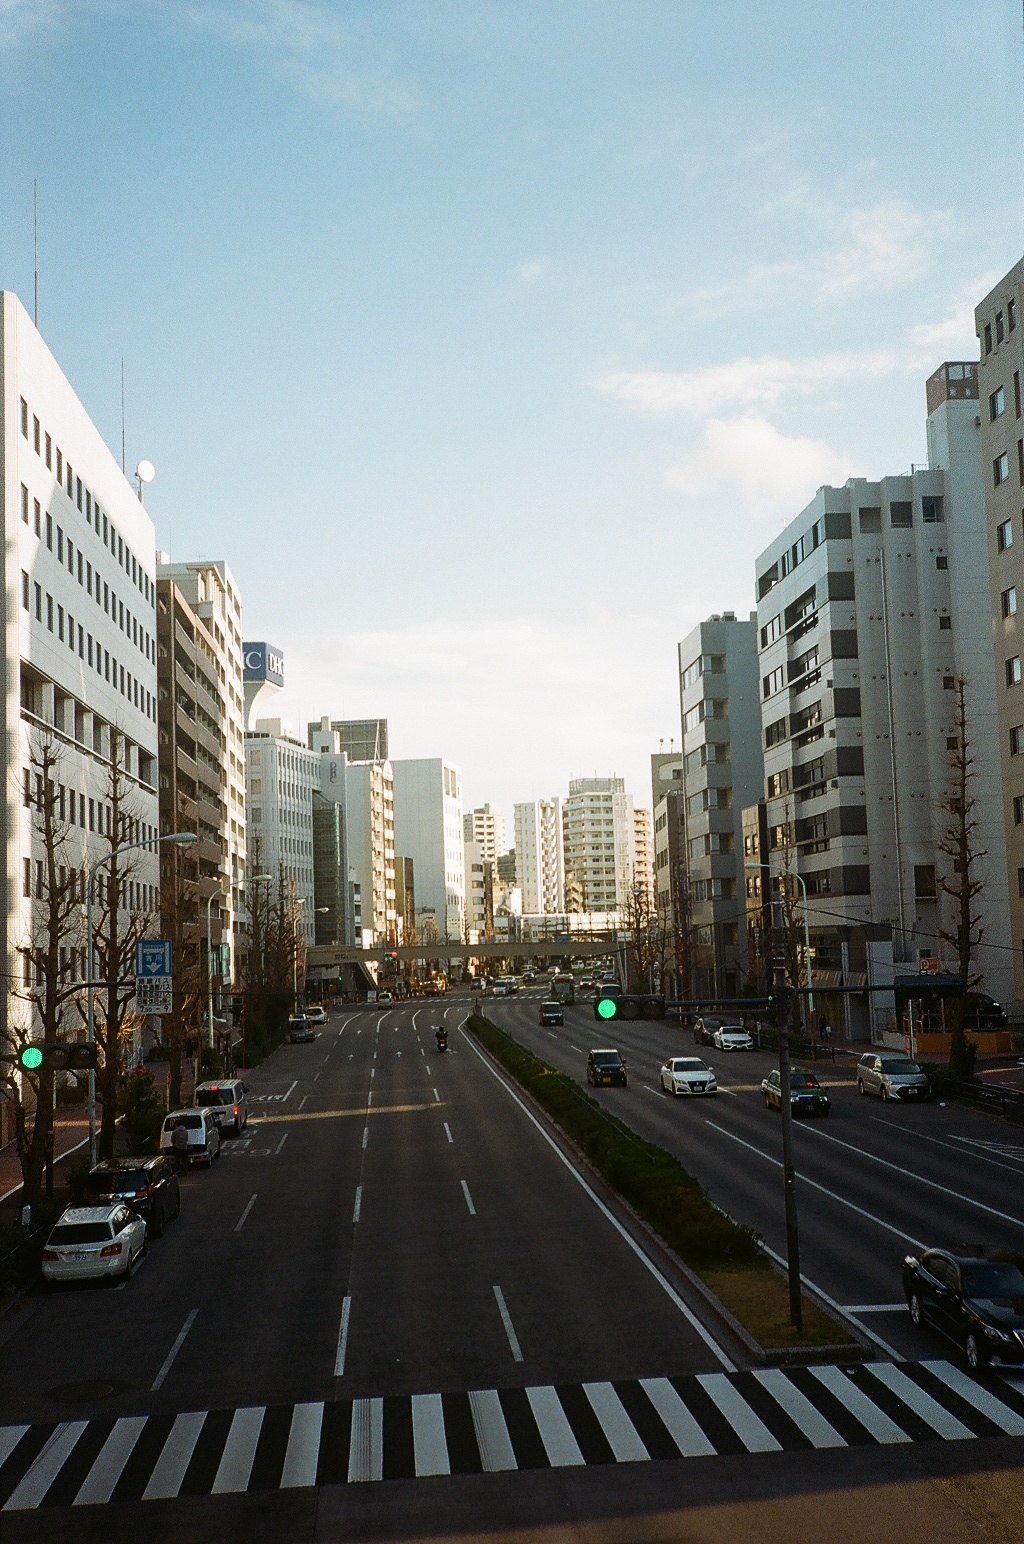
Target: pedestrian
{"points": [[179, 1147], [824, 1030]]}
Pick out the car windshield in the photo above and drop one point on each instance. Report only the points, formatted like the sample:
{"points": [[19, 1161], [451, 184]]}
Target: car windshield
{"points": [[803, 1080], [711, 1023], [190, 1122], [80, 1233], [900, 1067], [607, 1059], [214, 1096], [689, 1064], [999, 1279], [123, 1182], [733, 1033]]}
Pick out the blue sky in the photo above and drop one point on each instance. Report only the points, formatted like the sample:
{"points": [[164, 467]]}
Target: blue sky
{"points": [[489, 343]]}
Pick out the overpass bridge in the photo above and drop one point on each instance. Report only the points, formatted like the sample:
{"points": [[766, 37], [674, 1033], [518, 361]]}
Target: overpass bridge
{"points": [[332, 956]]}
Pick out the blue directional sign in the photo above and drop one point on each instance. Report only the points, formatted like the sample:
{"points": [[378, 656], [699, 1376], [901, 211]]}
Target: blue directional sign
{"points": [[153, 957]]}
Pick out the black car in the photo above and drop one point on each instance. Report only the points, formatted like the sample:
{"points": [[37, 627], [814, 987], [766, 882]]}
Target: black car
{"points": [[704, 1029], [149, 1185], [300, 1030], [975, 1300], [806, 1095], [606, 1067], [551, 1013]]}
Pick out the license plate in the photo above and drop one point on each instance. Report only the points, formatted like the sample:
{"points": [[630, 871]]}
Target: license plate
{"points": [[76, 1257]]}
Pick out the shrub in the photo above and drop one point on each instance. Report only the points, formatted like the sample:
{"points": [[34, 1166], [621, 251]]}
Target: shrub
{"points": [[143, 1110]]}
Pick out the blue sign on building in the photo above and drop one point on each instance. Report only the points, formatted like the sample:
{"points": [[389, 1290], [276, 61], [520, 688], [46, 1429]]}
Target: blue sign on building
{"points": [[263, 662], [153, 958]]}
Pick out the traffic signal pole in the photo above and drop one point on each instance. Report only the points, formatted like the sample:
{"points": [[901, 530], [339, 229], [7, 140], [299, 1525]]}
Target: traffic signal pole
{"points": [[796, 1316]]}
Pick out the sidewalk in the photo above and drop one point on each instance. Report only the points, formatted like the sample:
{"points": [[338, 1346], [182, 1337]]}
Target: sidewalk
{"points": [[70, 1134]]}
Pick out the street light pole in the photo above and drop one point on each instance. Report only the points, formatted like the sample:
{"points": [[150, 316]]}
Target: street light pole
{"points": [[180, 839], [214, 895]]}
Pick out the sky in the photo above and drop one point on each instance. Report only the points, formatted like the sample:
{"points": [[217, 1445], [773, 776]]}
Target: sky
{"points": [[489, 343]]}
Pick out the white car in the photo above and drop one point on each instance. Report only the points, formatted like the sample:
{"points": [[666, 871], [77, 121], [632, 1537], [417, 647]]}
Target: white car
{"points": [[316, 1015], [202, 1133], [688, 1075], [384, 1000], [730, 1037], [94, 1243]]}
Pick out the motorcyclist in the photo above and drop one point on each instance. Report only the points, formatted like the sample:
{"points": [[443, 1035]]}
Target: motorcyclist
{"points": [[441, 1036]]}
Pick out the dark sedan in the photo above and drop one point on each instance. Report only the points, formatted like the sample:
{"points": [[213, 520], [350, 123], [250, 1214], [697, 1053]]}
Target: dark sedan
{"points": [[551, 1013], [976, 1301], [300, 1031], [806, 1095], [149, 1185]]}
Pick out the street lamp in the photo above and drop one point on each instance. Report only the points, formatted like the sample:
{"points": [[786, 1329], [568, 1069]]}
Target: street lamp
{"points": [[179, 839], [215, 895]]}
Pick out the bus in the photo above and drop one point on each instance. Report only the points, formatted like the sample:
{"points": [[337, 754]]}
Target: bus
{"points": [[563, 988]]}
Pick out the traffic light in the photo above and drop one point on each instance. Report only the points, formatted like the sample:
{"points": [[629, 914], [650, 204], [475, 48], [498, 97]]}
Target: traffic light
{"points": [[630, 1005], [58, 1055], [606, 1008]]}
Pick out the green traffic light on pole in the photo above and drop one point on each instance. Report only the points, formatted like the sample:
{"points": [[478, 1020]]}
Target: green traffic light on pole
{"points": [[31, 1057], [606, 1007]]}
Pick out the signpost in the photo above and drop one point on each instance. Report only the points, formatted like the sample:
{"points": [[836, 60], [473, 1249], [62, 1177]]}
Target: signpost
{"points": [[154, 983]]}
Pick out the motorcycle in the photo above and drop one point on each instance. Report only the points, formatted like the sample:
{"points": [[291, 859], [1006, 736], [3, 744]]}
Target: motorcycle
{"points": [[442, 1040]]}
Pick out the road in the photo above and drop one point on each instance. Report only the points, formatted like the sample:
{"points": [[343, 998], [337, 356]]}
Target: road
{"points": [[875, 1181], [396, 1276]]}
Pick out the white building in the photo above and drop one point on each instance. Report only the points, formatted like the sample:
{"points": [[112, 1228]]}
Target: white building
{"points": [[643, 854], [79, 637], [488, 829], [281, 776], [354, 844], [429, 830], [479, 871], [540, 858], [598, 833]]}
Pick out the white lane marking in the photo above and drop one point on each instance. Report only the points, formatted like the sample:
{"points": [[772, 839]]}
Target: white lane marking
{"points": [[750, 1429], [235, 1465], [366, 1135], [553, 1424], [921, 1403], [939, 1142], [303, 1451], [838, 1308], [437, 1096], [172, 1353], [10, 1436], [369, 1098], [814, 1185], [316, 1076], [876, 1308], [373, 1072], [448, 1132], [577, 1049], [415, 1016], [422, 1051], [240, 1224], [623, 1437], [99, 1483], [800, 1410], [497, 1455], [358, 1207], [672, 1294], [366, 1444], [169, 1470], [649, 1089], [280, 1144], [430, 1450], [977, 1395], [381, 1020], [427, 1071], [46, 1466], [339, 1357], [469, 1198], [506, 1319], [688, 1437], [859, 1405], [919, 1179], [290, 1091], [302, 1101]]}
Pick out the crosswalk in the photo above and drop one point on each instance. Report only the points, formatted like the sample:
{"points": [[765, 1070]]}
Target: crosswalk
{"points": [[272, 1447]]}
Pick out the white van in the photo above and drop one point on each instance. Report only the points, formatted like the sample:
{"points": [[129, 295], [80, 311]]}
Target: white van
{"points": [[203, 1136]]}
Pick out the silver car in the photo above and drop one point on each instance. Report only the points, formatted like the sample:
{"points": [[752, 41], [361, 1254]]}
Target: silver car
{"points": [[891, 1076], [98, 1243], [732, 1037]]}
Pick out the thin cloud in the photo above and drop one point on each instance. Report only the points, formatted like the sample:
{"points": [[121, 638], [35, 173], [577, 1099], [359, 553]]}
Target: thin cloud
{"points": [[955, 331], [773, 473], [742, 383], [885, 247], [19, 18], [533, 269]]}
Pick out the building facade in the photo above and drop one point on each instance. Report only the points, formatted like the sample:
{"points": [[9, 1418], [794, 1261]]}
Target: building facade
{"points": [[282, 775], [722, 771], [643, 855], [1000, 409], [361, 739], [487, 828], [429, 830], [598, 835], [539, 856], [354, 815]]}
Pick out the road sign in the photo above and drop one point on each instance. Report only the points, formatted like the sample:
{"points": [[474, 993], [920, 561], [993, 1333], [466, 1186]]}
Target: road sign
{"points": [[154, 994], [928, 966], [152, 957]]}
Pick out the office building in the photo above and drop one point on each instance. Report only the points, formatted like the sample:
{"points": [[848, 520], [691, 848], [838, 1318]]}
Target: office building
{"points": [[871, 605], [1000, 409], [79, 643], [429, 830], [361, 739], [722, 771], [282, 775], [405, 899], [486, 827], [354, 845], [598, 836], [539, 868]]}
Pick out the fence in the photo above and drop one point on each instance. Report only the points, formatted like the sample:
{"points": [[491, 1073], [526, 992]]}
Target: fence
{"points": [[1007, 1103]]}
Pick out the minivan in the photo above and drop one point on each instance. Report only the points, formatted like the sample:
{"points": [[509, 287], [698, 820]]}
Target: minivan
{"points": [[226, 1098], [203, 1136]]}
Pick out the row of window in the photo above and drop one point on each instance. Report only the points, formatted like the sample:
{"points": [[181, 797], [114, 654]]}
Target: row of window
{"points": [[135, 895], [41, 605], [95, 517], [1005, 323], [704, 662], [102, 593], [901, 514]]}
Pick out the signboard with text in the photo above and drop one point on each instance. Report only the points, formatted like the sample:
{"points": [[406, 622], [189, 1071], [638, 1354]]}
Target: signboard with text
{"points": [[154, 994], [152, 958]]}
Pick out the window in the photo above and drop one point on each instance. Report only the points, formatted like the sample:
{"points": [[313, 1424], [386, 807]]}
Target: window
{"points": [[952, 743], [1013, 675], [1011, 314], [1000, 332], [692, 673], [997, 404], [36, 438], [774, 733], [901, 513], [1007, 601], [49, 451], [946, 623], [1000, 469], [948, 683], [49, 532], [1016, 393], [870, 520], [1020, 462], [24, 417], [37, 515], [38, 589], [987, 336], [942, 561], [771, 631], [1017, 740], [774, 681], [24, 589], [931, 509], [24, 503], [1004, 535], [1018, 811]]}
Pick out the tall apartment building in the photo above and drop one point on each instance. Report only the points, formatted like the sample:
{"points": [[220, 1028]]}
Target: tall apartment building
{"points": [[668, 835], [598, 835], [487, 828], [539, 867], [643, 854], [429, 830], [202, 748], [405, 898], [79, 637], [1001, 412], [871, 604], [282, 775], [722, 771], [361, 739], [354, 845], [479, 870]]}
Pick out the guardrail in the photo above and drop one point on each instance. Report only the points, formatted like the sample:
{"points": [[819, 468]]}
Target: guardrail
{"points": [[1001, 1100]]}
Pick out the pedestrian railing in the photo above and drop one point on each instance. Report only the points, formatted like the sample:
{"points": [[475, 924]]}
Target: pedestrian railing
{"points": [[998, 1098]]}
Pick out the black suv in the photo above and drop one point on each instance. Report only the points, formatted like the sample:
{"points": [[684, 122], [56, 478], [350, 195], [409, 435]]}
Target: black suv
{"points": [[975, 1299], [606, 1067], [149, 1185], [551, 1013]]}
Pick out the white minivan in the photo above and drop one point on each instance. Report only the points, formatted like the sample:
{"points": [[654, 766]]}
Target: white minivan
{"points": [[203, 1135]]}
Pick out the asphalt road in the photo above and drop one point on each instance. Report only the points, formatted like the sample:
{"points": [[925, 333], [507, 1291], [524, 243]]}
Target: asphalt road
{"points": [[874, 1181]]}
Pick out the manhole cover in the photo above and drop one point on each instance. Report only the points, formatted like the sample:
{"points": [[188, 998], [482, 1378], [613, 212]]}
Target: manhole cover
{"points": [[75, 1393]]}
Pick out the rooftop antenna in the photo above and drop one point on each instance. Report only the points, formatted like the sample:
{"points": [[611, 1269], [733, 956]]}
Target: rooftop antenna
{"points": [[35, 251], [123, 465], [144, 473]]}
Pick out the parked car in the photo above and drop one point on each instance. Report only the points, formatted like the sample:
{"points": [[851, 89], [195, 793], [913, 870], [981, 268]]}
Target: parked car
{"points": [[688, 1075], [732, 1037], [704, 1029], [94, 1243], [606, 1067], [552, 1013], [891, 1076], [300, 1030], [974, 1300], [317, 1014], [148, 1185], [384, 1000], [806, 1095], [203, 1136], [226, 1098]]}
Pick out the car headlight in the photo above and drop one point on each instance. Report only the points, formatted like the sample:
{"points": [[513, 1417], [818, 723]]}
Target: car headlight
{"points": [[996, 1334]]}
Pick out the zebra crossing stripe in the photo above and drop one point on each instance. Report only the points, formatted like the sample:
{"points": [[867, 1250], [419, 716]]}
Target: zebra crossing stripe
{"points": [[221, 1452]]}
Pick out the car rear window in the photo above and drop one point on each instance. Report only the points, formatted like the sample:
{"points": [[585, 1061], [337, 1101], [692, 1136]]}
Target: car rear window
{"points": [[803, 1080], [80, 1233], [190, 1122], [207, 1096], [114, 1184]]}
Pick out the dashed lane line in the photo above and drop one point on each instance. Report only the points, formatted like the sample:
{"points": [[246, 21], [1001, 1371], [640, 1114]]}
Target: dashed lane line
{"points": [[172, 1353]]}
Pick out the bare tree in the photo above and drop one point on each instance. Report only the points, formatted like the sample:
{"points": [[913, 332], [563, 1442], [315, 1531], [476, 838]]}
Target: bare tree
{"points": [[639, 923], [958, 878], [267, 966], [179, 921]]}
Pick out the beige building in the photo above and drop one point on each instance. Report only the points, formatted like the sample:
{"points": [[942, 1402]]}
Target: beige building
{"points": [[1000, 418], [643, 854], [488, 829]]}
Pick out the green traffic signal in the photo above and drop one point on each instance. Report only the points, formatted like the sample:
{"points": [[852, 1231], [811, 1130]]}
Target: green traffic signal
{"points": [[31, 1057], [607, 1007]]}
